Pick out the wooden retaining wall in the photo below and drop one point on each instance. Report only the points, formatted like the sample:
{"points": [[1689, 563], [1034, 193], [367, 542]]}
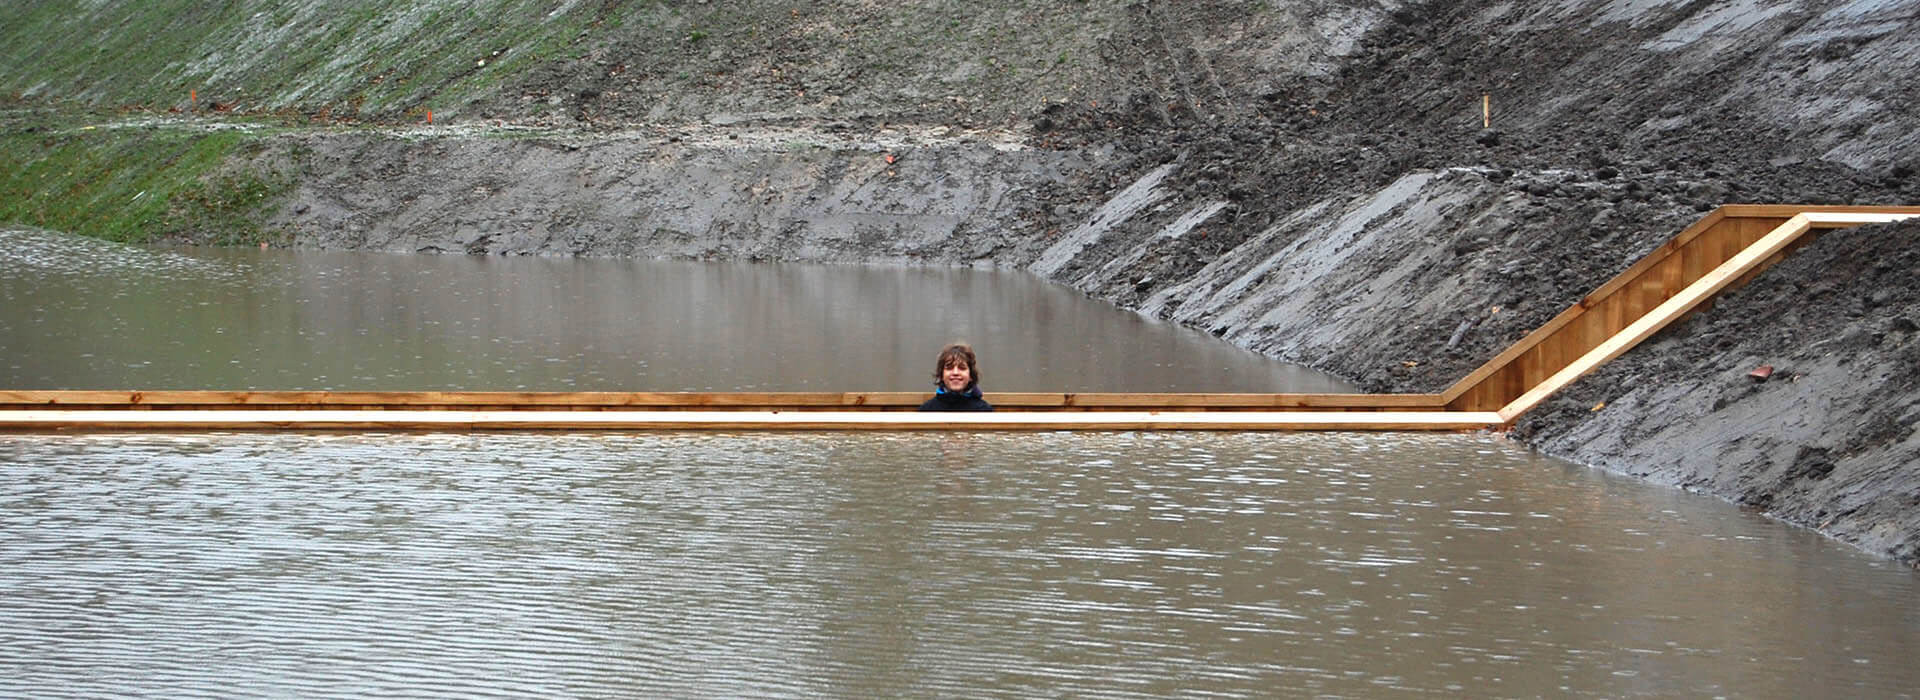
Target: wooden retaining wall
{"points": [[459, 420], [698, 401], [1721, 251], [1696, 254]]}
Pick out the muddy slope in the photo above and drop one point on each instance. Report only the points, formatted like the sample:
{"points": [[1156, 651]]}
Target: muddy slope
{"points": [[1612, 126], [1827, 439], [889, 195]]}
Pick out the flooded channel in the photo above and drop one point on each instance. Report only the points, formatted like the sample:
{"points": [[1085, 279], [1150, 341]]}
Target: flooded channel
{"points": [[81, 314], [898, 565], [1102, 565]]}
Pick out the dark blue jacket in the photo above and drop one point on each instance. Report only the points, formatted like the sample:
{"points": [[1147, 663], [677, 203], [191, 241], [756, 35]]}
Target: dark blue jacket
{"points": [[966, 400]]}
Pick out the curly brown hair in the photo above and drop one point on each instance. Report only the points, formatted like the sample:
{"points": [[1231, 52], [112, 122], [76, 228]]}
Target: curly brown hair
{"points": [[958, 354]]}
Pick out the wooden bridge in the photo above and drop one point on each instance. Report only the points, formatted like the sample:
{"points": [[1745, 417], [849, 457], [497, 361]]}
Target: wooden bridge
{"points": [[1720, 251]]}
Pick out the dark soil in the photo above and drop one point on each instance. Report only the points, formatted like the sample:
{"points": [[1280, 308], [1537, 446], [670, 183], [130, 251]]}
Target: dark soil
{"points": [[1827, 439], [1603, 180]]}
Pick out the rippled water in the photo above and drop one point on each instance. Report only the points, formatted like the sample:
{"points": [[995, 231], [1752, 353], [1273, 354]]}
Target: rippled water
{"points": [[883, 565], [85, 314]]}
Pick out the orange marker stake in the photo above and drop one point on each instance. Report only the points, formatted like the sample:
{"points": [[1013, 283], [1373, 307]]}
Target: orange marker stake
{"points": [[429, 116]]}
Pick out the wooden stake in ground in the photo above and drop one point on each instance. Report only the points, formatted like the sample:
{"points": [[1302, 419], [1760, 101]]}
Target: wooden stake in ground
{"points": [[1486, 110]]}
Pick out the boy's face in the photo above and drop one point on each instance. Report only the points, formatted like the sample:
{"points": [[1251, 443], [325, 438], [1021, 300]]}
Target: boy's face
{"points": [[956, 376]]}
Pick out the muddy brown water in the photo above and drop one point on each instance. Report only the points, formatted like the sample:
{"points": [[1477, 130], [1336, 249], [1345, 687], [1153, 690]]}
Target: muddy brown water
{"points": [[79, 314], [1056, 564], [908, 564]]}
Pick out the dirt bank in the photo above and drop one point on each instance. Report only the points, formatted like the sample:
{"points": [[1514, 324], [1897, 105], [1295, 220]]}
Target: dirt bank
{"points": [[1391, 191], [1373, 224], [935, 196], [1827, 439]]}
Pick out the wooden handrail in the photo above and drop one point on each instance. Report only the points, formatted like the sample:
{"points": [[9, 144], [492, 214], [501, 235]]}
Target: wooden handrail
{"points": [[600, 401], [1747, 261], [741, 420], [1644, 286]]}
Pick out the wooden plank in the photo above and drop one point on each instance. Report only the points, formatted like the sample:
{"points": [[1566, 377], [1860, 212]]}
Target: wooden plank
{"points": [[1217, 400], [1660, 317], [116, 420], [714, 400], [1591, 330], [1659, 254], [1579, 308], [1672, 279], [1842, 218], [1785, 211], [439, 398], [1508, 356], [1688, 256], [1745, 233]]}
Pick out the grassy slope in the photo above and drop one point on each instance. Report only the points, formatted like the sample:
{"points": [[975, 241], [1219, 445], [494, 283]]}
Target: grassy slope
{"points": [[68, 64], [132, 184], [382, 57], [387, 59]]}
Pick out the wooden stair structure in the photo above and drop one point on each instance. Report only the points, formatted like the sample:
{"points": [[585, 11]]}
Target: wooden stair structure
{"points": [[1722, 250]]}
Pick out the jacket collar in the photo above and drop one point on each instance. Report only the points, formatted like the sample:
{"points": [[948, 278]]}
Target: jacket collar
{"points": [[971, 392]]}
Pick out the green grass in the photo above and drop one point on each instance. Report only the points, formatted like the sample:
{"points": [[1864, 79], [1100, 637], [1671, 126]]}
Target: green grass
{"points": [[370, 59], [312, 62], [134, 185], [388, 59]]}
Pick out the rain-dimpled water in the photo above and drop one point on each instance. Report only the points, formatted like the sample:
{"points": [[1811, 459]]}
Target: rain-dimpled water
{"points": [[890, 564]]}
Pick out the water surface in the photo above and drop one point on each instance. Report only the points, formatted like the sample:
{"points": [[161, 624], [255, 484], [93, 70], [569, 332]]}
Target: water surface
{"points": [[84, 314], [1101, 565]]}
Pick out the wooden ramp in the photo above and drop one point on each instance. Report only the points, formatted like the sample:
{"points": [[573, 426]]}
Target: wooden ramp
{"points": [[739, 420], [1719, 252]]}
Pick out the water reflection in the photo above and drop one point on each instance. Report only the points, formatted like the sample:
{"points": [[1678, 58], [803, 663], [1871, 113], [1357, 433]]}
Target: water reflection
{"points": [[82, 314], [1052, 564]]}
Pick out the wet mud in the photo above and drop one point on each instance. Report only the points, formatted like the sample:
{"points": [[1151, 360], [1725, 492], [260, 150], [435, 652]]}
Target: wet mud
{"points": [[1822, 434]]}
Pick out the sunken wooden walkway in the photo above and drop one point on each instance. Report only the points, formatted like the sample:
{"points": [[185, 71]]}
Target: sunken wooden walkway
{"points": [[1722, 250]]}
